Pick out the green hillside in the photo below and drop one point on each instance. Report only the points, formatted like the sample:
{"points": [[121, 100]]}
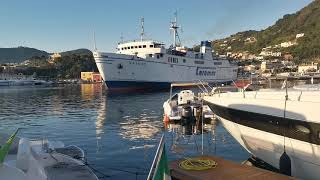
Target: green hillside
{"points": [[77, 52], [19, 54], [306, 21]]}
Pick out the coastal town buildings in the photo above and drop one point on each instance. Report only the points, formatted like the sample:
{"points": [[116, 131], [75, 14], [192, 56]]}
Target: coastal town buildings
{"points": [[300, 35], [269, 52], [250, 40], [91, 77], [271, 65], [287, 44], [308, 67], [54, 57]]}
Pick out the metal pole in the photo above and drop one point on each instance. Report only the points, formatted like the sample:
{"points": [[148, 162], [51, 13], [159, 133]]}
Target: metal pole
{"points": [[202, 127]]}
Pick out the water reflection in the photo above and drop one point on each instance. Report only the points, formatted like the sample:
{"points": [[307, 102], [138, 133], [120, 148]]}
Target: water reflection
{"points": [[95, 92], [191, 127], [189, 138], [116, 131], [101, 117], [139, 128], [89, 91]]}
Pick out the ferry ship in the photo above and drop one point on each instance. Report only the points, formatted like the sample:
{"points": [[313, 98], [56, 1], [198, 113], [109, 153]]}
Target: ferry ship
{"points": [[148, 65]]}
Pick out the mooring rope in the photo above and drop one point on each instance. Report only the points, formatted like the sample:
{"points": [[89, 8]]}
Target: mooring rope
{"points": [[197, 164]]}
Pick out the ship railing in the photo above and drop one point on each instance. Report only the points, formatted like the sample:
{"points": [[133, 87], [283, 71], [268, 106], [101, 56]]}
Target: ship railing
{"points": [[139, 40], [155, 163], [205, 88]]}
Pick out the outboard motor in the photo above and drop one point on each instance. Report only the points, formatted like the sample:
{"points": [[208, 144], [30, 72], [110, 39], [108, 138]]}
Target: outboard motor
{"points": [[186, 112]]}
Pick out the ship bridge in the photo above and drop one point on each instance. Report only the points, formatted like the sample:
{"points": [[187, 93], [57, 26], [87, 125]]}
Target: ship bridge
{"points": [[140, 48]]}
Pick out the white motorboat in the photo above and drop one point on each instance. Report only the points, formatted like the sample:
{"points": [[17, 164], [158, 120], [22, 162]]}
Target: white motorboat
{"points": [[185, 105], [43, 160], [267, 123], [22, 82]]}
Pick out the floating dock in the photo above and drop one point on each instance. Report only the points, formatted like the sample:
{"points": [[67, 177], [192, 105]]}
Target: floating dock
{"points": [[224, 170]]}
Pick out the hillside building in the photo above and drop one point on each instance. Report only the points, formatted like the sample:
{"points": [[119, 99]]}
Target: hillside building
{"points": [[288, 57], [91, 77], [300, 35], [267, 52], [270, 65], [287, 44], [55, 56], [308, 68], [250, 40], [250, 68]]}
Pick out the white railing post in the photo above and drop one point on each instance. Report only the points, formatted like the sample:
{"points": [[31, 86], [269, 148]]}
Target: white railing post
{"points": [[155, 162]]}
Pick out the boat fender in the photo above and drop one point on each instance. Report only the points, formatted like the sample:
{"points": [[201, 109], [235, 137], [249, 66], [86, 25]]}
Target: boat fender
{"points": [[285, 164], [165, 118]]}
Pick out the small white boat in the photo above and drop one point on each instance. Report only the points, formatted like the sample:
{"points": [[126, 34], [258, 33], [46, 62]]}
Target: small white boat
{"points": [[24, 82], [44, 160], [185, 105], [4, 83]]}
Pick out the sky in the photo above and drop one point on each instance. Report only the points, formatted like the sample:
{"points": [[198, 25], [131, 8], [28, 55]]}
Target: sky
{"points": [[60, 25]]}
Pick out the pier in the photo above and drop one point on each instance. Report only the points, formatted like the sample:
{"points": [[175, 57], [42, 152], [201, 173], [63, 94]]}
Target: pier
{"points": [[224, 169]]}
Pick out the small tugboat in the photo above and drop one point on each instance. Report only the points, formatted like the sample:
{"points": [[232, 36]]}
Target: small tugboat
{"points": [[185, 105], [21, 159]]}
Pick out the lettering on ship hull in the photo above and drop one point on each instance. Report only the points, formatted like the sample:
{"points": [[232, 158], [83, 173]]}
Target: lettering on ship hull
{"points": [[205, 71]]}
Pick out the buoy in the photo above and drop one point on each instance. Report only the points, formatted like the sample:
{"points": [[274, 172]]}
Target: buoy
{"points": [[285, 164], [165, 118]]}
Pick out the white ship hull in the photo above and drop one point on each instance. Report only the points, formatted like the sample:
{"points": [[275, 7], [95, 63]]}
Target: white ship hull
{"points": [[121, 71], [257, 123]]}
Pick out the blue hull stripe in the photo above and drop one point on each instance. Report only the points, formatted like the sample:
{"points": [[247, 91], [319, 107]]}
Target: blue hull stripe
{"points": [[141, 85], [123, 85]]}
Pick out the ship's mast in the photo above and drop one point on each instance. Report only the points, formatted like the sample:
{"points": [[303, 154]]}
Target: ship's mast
{"points": [[142, 29], [174, 27], [94, 41], [121, 38]]}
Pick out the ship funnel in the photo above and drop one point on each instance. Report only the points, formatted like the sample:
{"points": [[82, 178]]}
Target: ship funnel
{"points": [[206, 49]]}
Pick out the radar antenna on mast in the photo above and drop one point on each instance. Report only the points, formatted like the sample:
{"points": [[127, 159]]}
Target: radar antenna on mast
{"points": [[174, 27], [142, 29]]}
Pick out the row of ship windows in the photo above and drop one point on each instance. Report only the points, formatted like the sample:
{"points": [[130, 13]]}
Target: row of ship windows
{"points": [[156, 55], [202, 62], [136, 47], [175, 60]]}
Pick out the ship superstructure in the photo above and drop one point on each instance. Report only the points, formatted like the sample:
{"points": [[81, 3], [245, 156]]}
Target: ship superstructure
{"points": [[148, 64]]}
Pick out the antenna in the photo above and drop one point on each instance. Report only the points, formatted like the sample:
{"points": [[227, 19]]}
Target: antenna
{"points": [[142, 29], [284, 114], [94, 41], [174, 27], [121, 37]]}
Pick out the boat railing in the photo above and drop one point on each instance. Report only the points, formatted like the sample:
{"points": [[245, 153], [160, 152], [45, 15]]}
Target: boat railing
{"points": [[139, 40], [155, 163]]}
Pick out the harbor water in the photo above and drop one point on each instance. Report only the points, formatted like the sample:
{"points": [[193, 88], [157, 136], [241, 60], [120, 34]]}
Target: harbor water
{"points": [[118, 132]]}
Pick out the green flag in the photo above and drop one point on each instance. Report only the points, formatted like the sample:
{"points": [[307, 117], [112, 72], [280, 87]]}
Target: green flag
{"points": [[5, 149], [162, 170]]}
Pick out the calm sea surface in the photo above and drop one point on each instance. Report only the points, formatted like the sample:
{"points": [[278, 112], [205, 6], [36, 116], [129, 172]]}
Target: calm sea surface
{"points": [[119, 133]]}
